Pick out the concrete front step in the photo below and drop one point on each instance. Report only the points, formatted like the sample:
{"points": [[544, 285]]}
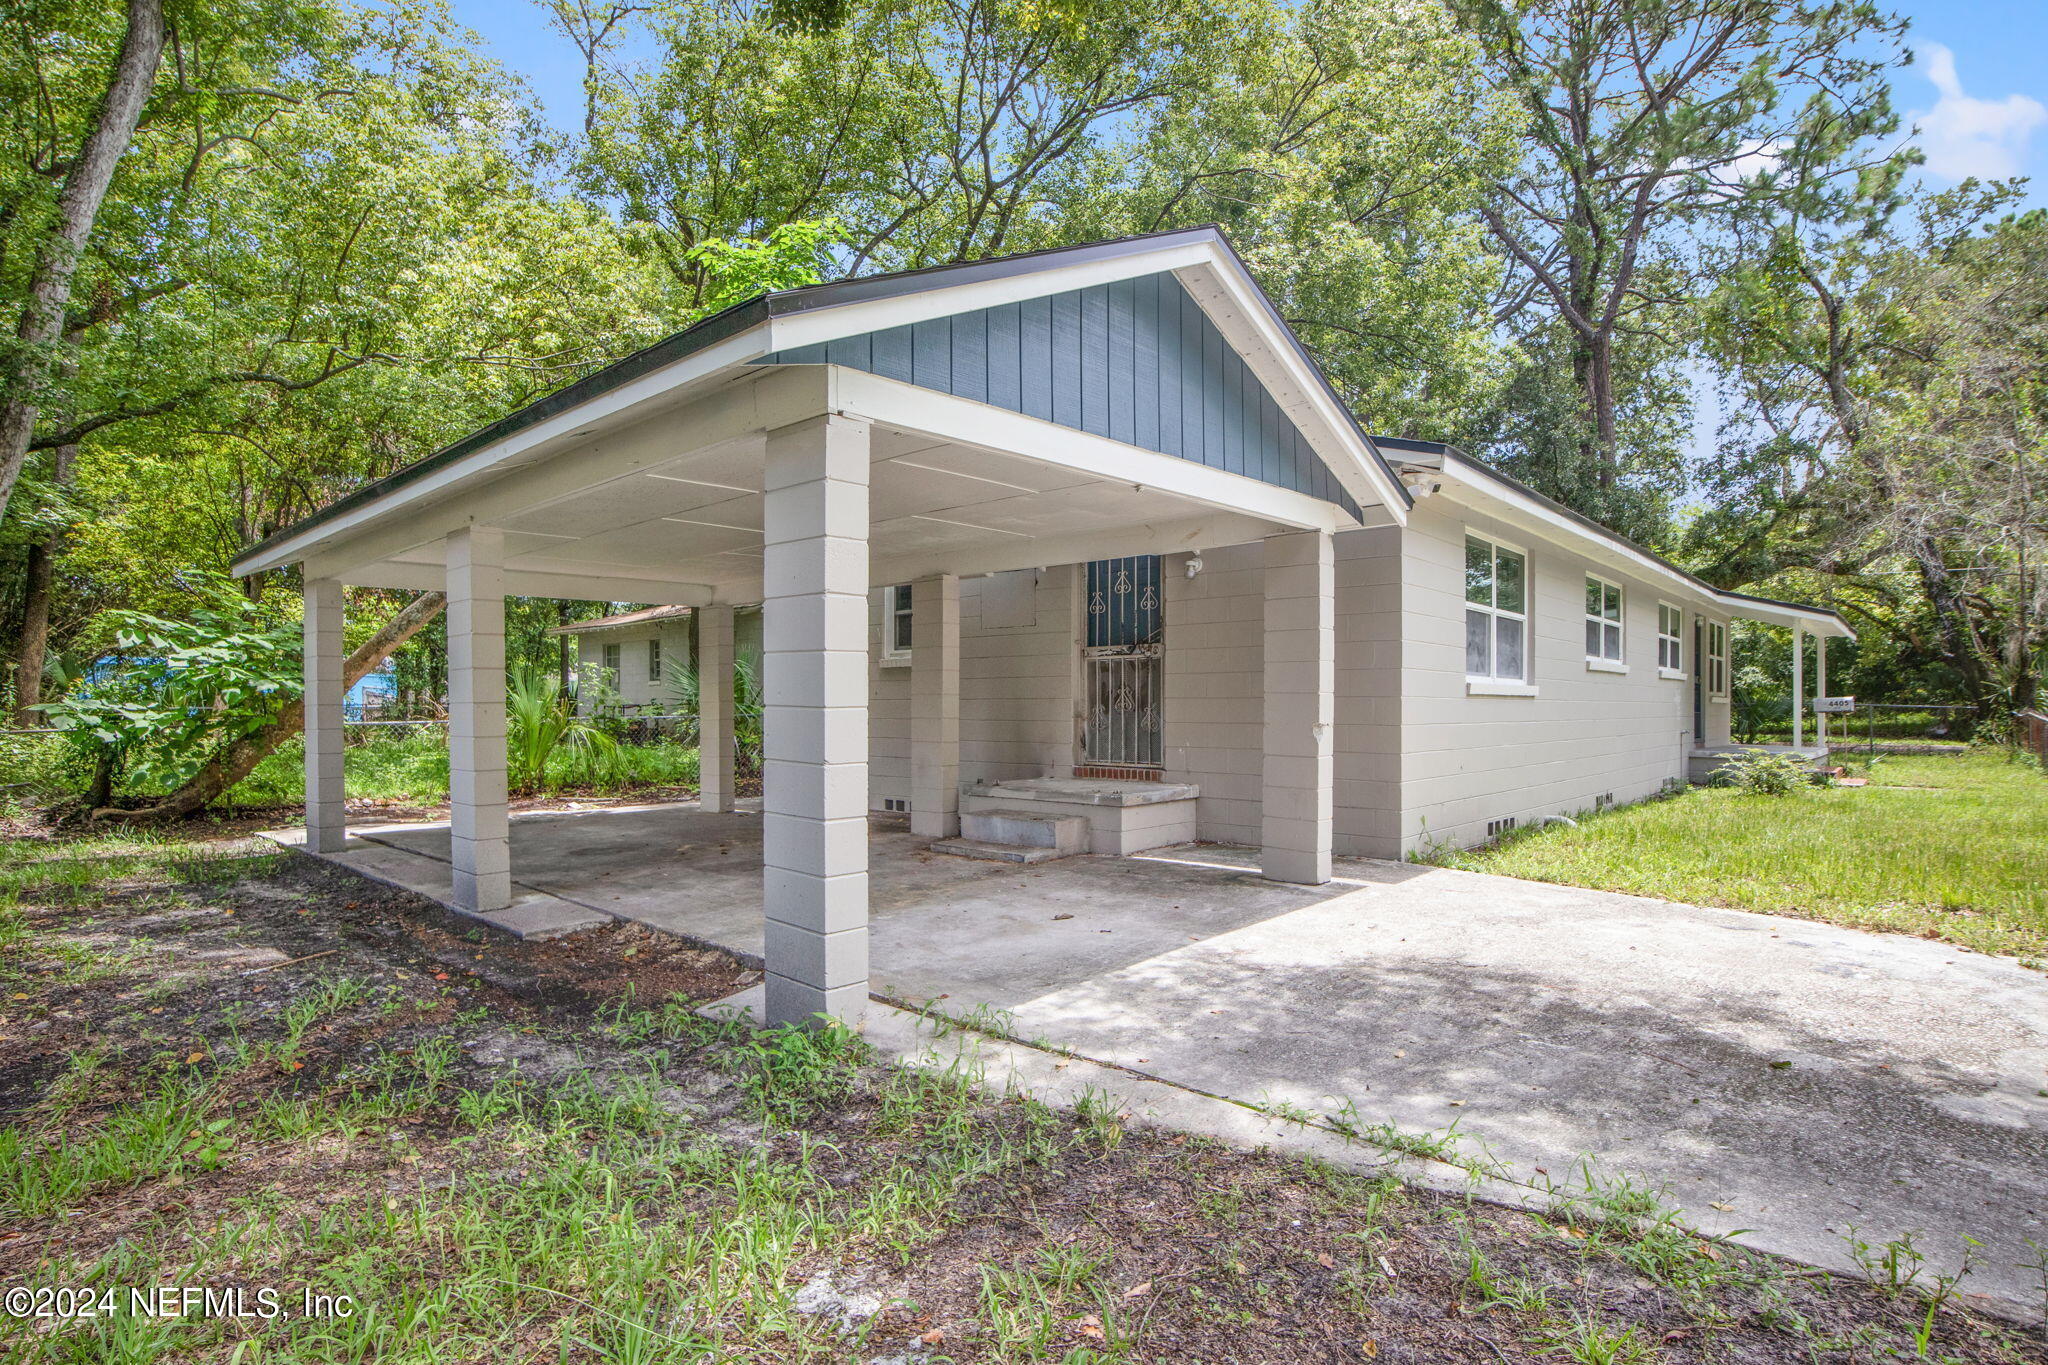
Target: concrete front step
{"points": [[1122, 817], [997, 853], [1063, 834]]}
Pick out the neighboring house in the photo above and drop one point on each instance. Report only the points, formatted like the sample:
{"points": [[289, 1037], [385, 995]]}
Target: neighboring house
{"points": [[630, 657], [636, 656], [1084, 533], [372, 696]]}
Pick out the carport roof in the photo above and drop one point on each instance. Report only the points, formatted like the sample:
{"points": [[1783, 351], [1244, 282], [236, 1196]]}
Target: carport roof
{"points": [[753, 312]]}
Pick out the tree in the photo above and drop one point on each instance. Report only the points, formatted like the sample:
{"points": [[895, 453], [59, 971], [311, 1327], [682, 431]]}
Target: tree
{"points": [[1889, 427], [1340, 142], [1647, 125], [214, 772], [57, 245]]}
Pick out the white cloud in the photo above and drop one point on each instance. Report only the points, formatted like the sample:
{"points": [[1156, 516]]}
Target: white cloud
{"points": [[1964, 136]]}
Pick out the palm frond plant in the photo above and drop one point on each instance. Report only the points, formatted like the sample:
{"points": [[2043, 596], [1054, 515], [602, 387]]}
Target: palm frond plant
{"points": [[746, 712], [539, 720]]}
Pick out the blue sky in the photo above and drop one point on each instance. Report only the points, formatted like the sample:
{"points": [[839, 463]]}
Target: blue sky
{"points": [[1978, 88]]}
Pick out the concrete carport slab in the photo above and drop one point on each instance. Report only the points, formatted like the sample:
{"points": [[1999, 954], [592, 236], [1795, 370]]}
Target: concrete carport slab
{"points": [[1792, 1079]]}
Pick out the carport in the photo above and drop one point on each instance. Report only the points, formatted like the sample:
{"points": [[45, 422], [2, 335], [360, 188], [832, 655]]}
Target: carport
{"points": [[1126, 398]]}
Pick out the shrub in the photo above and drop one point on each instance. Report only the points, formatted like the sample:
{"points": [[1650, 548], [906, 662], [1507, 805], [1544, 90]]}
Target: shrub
{"points": [[1762, 773]]}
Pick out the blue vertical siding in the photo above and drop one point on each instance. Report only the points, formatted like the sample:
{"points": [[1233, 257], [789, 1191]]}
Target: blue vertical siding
{"points": [[1137, 361]]}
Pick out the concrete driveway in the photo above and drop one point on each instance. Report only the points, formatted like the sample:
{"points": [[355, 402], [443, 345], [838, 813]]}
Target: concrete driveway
{"points": [[1789, 1078]]}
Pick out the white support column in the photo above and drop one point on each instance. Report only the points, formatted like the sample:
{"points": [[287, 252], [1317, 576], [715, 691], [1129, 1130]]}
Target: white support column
{"points": [[1798, 686], [479, 835], [1300, 681], [1820, 687], [935, 707], [714, 708], [815, 672], [326, 806]]}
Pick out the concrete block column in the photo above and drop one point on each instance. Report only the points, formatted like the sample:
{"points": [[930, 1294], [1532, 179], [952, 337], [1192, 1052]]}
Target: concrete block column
{"points": [[1298, 801], [479, 842], [935, 707], [326, 807], [714, 708], [815, 693]]}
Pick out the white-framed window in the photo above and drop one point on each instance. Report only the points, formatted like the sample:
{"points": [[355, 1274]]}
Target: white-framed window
{"points": [[1496, 611], [1603, 620], [1670, 641], [1717, 659], [896, 624], [611, 662], [654, 661]]}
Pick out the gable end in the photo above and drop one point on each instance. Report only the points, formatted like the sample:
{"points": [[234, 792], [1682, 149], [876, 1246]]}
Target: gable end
{"points": [[1133, 360]]}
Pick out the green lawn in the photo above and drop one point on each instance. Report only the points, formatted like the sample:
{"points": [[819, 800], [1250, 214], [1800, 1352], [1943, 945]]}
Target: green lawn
{"points": [[1944, 847]]}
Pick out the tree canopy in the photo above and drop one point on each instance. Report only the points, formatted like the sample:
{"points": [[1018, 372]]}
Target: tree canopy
{"points": [[257, 252]]}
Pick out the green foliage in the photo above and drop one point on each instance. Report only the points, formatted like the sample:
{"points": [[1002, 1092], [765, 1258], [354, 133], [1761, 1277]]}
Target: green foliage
{"points": [[540, 719], [746, 710], [184, 688], [791, 255], [1761, 772]]}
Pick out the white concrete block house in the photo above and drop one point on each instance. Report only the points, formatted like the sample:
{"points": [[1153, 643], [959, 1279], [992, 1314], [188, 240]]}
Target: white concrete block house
{"points": [[1081, 532]]}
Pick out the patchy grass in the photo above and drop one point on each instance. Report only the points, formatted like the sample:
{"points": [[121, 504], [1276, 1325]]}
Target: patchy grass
{"points": [[1944, 847], [284, 1078], [411, 766]]}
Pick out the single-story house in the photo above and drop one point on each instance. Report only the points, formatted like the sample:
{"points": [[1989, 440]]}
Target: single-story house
{"points": [[636, 657], [628, 659], [1081, 536]]}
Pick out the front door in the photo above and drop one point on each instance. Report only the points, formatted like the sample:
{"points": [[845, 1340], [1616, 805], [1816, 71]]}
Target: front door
{"points": [[1123, 661]]}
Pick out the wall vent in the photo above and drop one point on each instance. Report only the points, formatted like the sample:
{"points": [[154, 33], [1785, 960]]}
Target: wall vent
{"points": [[1603, 800], [1496, 828], [895, 803]]}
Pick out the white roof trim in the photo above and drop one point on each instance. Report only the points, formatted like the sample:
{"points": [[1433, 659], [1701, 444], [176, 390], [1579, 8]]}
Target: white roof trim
{"points": [[1212, 274], [1470, 484]]}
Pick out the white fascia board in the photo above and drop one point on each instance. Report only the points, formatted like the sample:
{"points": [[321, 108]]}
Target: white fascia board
{"points": [[1469, 485], [966, 422], [592, 587], [1231, 300], [815, 325], [532, 443]]}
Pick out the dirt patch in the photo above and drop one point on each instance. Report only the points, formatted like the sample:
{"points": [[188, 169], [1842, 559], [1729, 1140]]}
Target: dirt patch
{"points": [[255, 1069]]}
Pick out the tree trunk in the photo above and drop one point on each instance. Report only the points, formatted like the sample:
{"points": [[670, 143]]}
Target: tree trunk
{"points": [[237, 760], [41, 574], [78, 208], [1593, 375], [1960, 643]]}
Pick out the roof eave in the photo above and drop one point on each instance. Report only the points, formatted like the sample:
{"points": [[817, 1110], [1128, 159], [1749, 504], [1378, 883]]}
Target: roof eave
{"points": [[1819, 620]]}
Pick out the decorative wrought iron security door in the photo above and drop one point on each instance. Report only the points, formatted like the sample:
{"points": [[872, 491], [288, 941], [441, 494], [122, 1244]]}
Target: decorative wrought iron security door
{"points": [[1124, 658]]}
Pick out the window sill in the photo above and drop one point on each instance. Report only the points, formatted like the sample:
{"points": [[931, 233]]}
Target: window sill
{"points": [[893, 661], [1606, 666], [1672, 674], [1489, 687]]}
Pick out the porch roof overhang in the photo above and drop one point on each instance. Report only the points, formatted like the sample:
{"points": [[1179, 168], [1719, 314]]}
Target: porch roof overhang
{"points": [[1488, 490], [642, 482], [665, 504]]}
